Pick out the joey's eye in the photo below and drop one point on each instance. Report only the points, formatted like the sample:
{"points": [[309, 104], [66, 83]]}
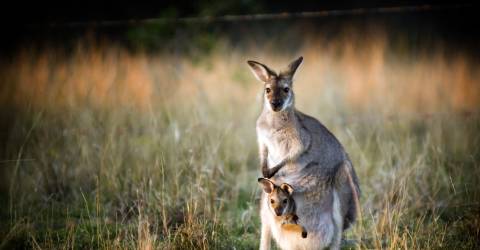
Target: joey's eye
{"points": [[272, 201], [284, 201], [286, 89], [268, 90]]}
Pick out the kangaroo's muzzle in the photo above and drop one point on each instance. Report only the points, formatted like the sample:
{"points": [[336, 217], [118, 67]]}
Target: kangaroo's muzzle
{"points": [[276, 104]]}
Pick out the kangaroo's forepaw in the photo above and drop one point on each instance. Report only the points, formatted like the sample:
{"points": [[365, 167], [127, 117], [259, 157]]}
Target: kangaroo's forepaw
{"points": [[266, 174]]}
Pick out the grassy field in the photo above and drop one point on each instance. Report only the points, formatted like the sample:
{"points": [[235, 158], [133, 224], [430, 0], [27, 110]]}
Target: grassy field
{"points": [[103, 148]]}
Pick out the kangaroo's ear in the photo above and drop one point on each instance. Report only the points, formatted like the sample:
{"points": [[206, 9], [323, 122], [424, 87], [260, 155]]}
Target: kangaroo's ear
{"points": [[292, 68], [266, 184], [261, 71], [287, 188]]}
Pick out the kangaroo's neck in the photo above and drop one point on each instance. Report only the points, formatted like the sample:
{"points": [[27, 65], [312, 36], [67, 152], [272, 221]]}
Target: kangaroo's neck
{"points": [[279, 119]]}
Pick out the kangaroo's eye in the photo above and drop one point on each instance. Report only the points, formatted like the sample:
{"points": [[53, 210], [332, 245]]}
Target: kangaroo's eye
{"points": [[268, 90], [284, 201], [272, 201], [286, 89]]}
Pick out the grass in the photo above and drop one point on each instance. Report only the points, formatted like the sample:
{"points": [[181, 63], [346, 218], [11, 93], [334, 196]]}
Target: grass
{"points": [[107, 149]]}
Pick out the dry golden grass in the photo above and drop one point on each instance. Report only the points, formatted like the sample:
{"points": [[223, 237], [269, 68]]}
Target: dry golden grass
{"points": [[110, 149], [363, 74]]}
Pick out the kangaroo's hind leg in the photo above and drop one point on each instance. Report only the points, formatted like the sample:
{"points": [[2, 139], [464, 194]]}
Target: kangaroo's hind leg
{"points": [[338, 222]]}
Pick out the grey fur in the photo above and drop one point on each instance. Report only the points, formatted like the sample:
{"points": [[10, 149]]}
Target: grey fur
{"points": [[297, 149]]}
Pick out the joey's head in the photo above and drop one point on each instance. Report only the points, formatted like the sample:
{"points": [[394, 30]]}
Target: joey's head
{"points": [[278, 94], [280, 198]]}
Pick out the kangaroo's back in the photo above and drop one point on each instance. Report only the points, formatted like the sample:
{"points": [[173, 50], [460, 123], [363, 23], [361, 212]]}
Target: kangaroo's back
{"points": [[325, 149], [328, 161]]}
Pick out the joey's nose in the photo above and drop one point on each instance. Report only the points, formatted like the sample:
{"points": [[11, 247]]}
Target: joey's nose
{"points": [[278, 212]]}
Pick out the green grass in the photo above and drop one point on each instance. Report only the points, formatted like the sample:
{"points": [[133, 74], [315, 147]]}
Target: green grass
{"points": [[180, 172]]}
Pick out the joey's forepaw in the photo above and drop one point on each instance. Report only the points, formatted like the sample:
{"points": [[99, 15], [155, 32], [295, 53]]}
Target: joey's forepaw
{"points": [[304, 234]]}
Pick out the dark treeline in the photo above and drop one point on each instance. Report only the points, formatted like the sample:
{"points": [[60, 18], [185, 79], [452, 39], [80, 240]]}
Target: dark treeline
{"points": [[61, 26]]}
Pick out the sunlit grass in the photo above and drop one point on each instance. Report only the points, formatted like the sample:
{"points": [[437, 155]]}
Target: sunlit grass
{"points": [[109, 149]]}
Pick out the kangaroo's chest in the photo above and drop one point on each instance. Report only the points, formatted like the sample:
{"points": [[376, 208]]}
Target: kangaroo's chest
{"points": [[279, 142]]}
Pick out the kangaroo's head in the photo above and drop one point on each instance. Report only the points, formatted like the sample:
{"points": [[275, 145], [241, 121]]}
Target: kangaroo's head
{"points": [[280, 198], [278, 92]]}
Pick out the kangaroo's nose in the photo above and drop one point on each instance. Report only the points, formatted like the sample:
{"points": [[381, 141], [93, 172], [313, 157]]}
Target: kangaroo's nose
{"points": [[276, 103]]}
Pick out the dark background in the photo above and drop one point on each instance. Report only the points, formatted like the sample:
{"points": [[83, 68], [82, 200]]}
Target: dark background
{"points": [[59, 24], [92, 96]]}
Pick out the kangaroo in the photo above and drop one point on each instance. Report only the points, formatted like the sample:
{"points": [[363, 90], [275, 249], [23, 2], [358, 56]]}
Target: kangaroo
{"points": [[283, 205], [301, 151]]}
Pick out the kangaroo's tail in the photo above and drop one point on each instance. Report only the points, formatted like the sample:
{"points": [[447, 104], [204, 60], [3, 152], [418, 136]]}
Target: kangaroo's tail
{"points": [[347, 172]]}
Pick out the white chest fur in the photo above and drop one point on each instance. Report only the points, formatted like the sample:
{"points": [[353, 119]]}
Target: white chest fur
{"points": [[281, 143], [277, 144]]}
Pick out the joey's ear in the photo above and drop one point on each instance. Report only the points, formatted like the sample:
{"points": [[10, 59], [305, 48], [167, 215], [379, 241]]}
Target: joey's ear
{"points": [[292, 68], [266, 184], [287, 188], [261, 71]]}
